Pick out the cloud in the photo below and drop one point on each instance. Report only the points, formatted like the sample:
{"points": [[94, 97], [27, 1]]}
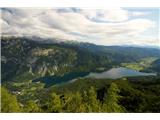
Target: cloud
{"points": [[116, 15], [88, 25], [140, 13]]}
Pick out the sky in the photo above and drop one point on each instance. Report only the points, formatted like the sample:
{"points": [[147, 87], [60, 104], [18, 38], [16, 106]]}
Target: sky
{"points": [[116, 26]]}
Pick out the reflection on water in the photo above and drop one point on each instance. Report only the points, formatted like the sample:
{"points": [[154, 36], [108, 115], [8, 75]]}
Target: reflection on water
{"points": [[73, 76], [52, 80], [118, 73]]}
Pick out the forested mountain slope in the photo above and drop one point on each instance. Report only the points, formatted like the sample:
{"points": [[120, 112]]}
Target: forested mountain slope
{"points": [[28, 59]]}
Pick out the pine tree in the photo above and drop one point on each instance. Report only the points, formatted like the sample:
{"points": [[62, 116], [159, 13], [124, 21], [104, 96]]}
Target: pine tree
{"points": [[9, 102], [93, 103], [111, 100], [32, 107], [54, 103], [85, 101], [75, 103]]}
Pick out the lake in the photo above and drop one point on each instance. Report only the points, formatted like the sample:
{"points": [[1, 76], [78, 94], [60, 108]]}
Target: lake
{"points": [[113, 73], [119, 72], [52, 80]]}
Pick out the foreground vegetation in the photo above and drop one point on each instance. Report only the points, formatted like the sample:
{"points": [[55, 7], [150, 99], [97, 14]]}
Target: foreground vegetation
{"points": [[136, 94]]}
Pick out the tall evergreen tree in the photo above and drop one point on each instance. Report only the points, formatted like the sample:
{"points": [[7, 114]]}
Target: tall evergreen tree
{"points": [[75, 103], [85, 101], [9, 102], [32, 107], [111, 100], [54, 103], [94, 105]]}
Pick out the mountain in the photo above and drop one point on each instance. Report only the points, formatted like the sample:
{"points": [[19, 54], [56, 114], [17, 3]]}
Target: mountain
{"points": [[30, 58], [38, 73], [155, 65]]}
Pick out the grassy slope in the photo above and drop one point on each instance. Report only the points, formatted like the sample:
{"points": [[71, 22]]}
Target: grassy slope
{"points": [[141, 64]]}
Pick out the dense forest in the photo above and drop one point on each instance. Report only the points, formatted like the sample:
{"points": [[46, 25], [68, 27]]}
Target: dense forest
{"points": [[139, 94], [35, 74]]}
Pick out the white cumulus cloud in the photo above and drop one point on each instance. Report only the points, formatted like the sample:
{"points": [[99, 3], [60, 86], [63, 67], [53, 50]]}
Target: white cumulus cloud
{"points": [[88, 25]]}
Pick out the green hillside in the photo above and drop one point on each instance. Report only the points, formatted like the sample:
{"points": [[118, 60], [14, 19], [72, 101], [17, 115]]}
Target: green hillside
{"points": [[37, 76]]}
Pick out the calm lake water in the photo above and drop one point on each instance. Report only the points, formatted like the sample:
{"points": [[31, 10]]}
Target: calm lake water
{"points": [[120, 72], [73, 76]]}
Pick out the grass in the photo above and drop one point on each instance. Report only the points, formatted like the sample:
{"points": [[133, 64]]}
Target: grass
{"points": [[140, 65]]}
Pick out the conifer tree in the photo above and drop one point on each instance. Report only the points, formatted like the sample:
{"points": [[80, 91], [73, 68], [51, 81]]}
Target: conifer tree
{"points": [[85, 101], [94, 105], [111, 100], [9, 102], [75, 103], [32, 107], [54, 103]]}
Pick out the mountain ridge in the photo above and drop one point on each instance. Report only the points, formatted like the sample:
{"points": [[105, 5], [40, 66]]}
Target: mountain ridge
{"points": [[63, 41]]}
